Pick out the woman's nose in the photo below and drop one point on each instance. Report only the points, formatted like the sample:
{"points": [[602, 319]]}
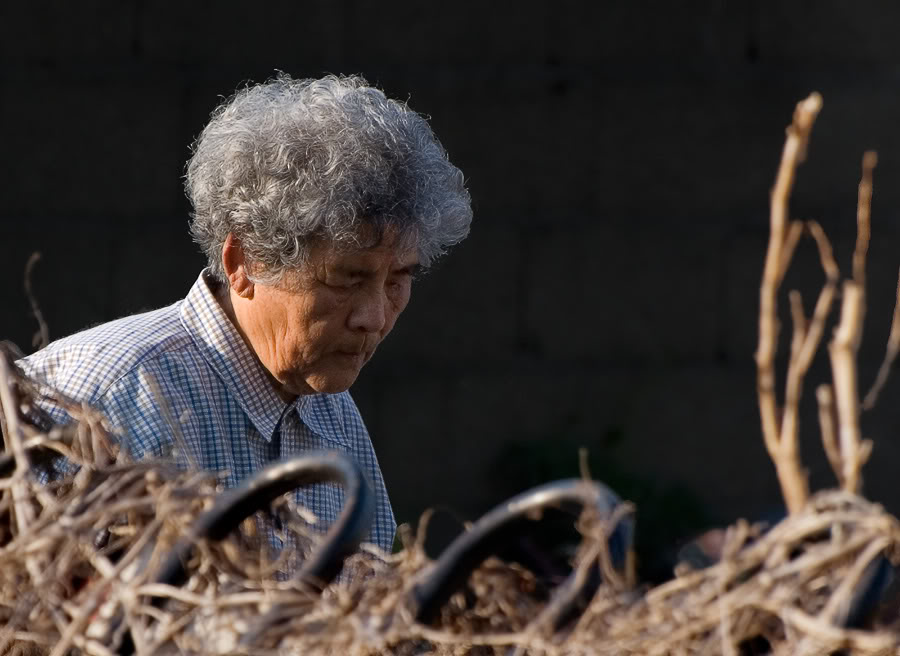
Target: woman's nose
{"points": [[369, 313]]}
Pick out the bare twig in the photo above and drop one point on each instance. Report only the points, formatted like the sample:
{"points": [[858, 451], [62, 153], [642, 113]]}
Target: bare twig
{"points": [[843, 364], [826, 254], [806, 340], [816, 325], [827, 426], [9, 406], [782, 446], [893, 347], [845, 343], [24, 513], [863, 218], [584, 467], [798, 318], [42, 336], [791, 238]]}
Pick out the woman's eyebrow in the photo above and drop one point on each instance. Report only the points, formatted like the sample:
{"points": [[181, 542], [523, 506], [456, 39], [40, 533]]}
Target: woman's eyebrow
{"points": [[354, 270], [411, 269], [361, 271]]}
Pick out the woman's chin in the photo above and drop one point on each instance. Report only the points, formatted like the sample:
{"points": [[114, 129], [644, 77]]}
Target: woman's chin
{"points": [[331, 382]]}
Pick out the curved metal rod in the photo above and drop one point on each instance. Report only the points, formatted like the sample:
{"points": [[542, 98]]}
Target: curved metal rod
{"points": [[40, 456], [436, 584], [868, 595], [235, 505]]}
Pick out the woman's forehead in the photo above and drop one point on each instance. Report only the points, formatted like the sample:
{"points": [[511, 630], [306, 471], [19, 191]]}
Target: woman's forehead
{"points": [[395, 253]]}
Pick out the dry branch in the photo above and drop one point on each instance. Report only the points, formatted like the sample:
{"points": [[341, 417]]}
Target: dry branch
{"points": [[893, 347], [807, 336], [845, 343], [781, 444], [863, 218], [828, 427], [842, 350], [42, 337]]}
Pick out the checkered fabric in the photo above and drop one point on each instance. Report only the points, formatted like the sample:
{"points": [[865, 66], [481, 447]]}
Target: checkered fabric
{"points": [[232, 420]]}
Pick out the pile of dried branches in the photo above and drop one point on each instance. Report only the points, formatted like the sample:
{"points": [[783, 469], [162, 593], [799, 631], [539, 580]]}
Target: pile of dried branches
{"points": [[77, 550]]}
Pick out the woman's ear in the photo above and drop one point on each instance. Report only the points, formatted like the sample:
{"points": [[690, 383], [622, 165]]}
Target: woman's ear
{"points": [[235, 265]]}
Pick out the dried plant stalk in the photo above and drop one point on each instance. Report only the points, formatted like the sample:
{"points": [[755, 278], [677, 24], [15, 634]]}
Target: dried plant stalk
{"points": [[864, 218], [807, 335], [842, 351], [24, 514], [42, 336], [828, 428], [845, 343], [781, 444], [893, 347]]}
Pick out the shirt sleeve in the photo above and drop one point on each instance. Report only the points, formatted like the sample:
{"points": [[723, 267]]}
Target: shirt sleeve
{"points": [[60, 370], [138, 405]]}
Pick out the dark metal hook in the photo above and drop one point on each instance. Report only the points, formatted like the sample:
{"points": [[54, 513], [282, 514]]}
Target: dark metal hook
{"points": [[437, 583], [235, 505], [869, 594]]}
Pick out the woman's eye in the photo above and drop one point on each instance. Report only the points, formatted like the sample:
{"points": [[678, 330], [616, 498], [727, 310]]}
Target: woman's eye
{"points": [[399, 283], [342, 283]]}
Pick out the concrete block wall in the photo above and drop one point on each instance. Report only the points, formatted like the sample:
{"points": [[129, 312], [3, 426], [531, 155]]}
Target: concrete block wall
{"points": [[619, 156]]}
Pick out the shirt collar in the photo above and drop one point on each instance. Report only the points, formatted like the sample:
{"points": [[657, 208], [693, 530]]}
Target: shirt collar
{"points": [[226, 352], [321, 414]]}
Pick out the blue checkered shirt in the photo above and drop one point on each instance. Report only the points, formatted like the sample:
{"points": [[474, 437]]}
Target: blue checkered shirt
{"points": [[217, 390]]}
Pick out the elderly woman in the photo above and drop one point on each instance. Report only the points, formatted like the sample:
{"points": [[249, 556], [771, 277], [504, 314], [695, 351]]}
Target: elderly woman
{"points": [[315, 201]]}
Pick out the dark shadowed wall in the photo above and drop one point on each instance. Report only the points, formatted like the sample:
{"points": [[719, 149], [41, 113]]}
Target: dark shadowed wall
{"points": [[619, 155]]}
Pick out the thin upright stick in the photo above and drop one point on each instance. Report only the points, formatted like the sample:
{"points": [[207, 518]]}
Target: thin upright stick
{"points": [[827, 425], [42, 336], [782, 448], [842, 351], [864, 218], [807, 336], [893, 348], [845, 343]]}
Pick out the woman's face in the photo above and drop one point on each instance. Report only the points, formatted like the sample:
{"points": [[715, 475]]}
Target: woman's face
{"points": [[316, 329]]}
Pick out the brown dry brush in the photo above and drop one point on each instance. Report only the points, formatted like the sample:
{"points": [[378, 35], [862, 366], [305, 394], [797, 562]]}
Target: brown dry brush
{"points": [[75, 552]]}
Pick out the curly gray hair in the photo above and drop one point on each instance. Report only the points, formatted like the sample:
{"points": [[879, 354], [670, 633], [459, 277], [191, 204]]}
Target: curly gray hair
{"points": [[284, 163]]}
